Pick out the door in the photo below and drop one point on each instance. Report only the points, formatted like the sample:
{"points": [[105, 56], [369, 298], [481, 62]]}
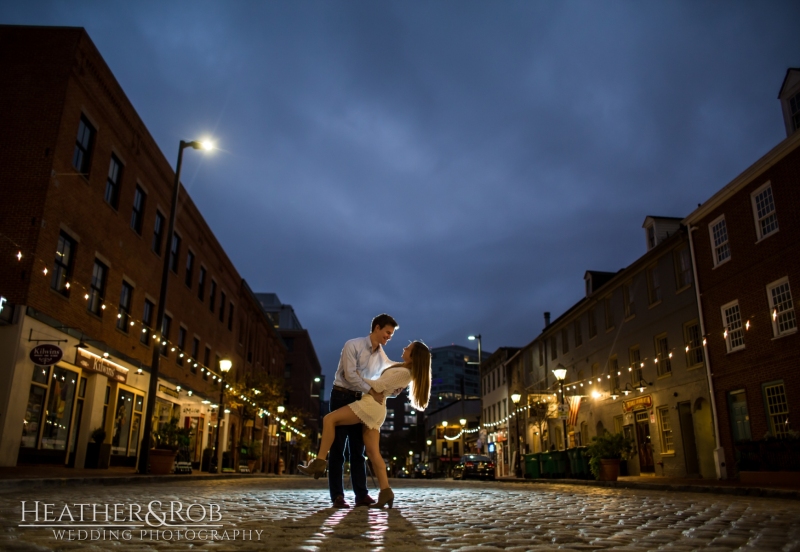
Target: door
{"points": [[644, 445], [689, 442], [740, 420]]}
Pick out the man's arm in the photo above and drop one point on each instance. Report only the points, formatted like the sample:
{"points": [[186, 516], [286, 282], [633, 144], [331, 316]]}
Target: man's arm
{"points": [[350, 373]]}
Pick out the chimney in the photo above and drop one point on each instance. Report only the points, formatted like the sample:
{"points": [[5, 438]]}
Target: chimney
{"points": [[546, 319]]}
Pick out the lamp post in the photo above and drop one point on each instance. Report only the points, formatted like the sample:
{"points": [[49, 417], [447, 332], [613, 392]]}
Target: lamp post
{"points": [[281, 410], [561, 373], [463, 422], [477, 337], [224, 366], [147, 430], [428, 451], [515, 399]]}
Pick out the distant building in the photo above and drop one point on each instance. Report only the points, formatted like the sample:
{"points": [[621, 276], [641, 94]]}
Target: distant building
{"points": [[456, 374], [746, 246], [496, 406]]}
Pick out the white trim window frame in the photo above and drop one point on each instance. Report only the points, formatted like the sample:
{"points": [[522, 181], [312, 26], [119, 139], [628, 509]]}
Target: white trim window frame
{"points": [[720, 246], [732, 322], [764, 216], [781, 307], [665, 426]]}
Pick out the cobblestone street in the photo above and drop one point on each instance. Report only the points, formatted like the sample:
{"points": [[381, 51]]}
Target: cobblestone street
{"points": [[294, 514]]}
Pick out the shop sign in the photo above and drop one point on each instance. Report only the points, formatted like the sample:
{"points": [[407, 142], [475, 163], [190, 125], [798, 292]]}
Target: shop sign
{"points": [[639, 403], [92, 363], [191, 410], [168, 391], [46, 355]]}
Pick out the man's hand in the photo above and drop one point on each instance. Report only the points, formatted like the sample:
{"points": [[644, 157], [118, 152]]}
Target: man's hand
{"points": [[377, 396]]}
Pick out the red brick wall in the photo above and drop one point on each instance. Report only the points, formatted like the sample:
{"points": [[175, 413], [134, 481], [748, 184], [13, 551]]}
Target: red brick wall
{"points": [[744, 278]]}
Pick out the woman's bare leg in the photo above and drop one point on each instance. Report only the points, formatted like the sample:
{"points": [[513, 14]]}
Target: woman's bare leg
{"points": [[372, 444], [340, 416]]}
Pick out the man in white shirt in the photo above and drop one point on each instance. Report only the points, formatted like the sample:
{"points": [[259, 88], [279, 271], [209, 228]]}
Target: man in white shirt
{"points": [[362, 359]]}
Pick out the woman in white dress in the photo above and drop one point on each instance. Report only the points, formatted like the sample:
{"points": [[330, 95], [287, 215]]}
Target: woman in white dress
{"points": [[414, 370]]}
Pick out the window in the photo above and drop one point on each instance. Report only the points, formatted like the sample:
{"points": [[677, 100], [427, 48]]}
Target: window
{"points": [[592, 323], [189, 269], [683, 268], [165, 325], [663, 356], [147, 321], [113, 181], [82, 157], [230, 317], [782, 307], [212, 295], [207, 358], [137, 215], [694, 344], [666, 430], [627, 300], [564, 341], [123, 316], [764, 211], [777, 408], [794, 109], [62, 269], [541, 353], [174, 252], [636, 364], [732, 320], [651, 237], [578, 336], [553, 348], [181, 345], [158, 233], [201, 284], [222, 300], [719, 240], [609, 313], [97, 291], [653, 286], [195, 353]]}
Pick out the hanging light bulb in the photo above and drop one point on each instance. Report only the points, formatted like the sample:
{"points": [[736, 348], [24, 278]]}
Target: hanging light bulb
{"points": [[687, 348], [704, 342], [725, 334], [67, 285], [86, 296], [747, 325], [774, 314], [19, 255], [45, 271]]}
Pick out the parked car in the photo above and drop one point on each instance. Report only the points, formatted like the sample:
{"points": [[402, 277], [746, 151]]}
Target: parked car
{"points": [[474, 465], [423, 471], [402, 473]]}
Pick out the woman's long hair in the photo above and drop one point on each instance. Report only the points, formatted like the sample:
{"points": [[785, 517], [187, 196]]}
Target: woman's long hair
{"points": [[420, 388]]}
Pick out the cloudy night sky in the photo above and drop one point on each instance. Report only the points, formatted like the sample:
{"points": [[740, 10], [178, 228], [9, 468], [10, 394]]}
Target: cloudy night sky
{"points": [[458, 164]]}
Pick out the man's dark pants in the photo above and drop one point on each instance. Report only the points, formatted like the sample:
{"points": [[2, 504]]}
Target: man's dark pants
{"points": [[347, 437]]}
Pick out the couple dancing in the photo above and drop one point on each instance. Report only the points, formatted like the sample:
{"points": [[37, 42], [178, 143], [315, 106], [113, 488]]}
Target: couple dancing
{"points": [[364, 378]]}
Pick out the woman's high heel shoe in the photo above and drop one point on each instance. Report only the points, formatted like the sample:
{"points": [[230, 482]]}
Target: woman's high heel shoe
{"points": [[316, 468], [384, 497]]}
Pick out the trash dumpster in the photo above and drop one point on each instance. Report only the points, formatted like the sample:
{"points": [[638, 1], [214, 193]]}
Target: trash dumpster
{"points": [[560, 462], [583, 463], [532, 469], [572, 456], [547, 465]]}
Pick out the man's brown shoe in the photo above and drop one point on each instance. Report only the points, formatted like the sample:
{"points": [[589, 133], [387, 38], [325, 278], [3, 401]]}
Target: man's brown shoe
{"points": [[365, 500], [339, 502]]}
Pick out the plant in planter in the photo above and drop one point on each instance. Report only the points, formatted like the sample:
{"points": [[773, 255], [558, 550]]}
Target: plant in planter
{"points": [[98, 453], [169, 438], [251, 452], [605, 453]]}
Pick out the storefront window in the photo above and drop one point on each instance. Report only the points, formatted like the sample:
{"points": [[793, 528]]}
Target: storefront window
{"points": [[137, 423], [59, 409], [165, 411], [33, 416], [40, 374], [122, 422]]}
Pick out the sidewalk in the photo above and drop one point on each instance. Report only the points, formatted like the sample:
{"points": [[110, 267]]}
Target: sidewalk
{"points": [[676, 484], [49, 475]]}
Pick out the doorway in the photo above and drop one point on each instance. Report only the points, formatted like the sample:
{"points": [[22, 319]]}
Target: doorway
{"points": [[689, 442], [644, 445]]}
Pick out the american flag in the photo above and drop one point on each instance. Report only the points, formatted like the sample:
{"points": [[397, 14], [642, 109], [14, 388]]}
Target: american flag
{"points": [[574, 406]]}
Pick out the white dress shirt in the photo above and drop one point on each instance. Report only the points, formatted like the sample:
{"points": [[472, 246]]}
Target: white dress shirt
{"points": [[359, 363]]}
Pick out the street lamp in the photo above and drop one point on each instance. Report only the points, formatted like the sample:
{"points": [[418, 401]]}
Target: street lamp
{"points": [[281, 410], [515, 399], [561, 373], [478, 338], [224, 366], [311, 389], [147, 430]]}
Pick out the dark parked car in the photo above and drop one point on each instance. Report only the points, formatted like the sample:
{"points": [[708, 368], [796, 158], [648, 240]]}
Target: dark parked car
{"points": [[423, 471], [474, 465]]}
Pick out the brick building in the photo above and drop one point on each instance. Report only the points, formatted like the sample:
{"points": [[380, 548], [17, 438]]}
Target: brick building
{"points": [[746, 246], [83, 226]]}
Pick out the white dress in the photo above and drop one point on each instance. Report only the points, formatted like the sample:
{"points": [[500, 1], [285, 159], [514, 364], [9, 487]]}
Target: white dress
{"points": [[371, 413]]}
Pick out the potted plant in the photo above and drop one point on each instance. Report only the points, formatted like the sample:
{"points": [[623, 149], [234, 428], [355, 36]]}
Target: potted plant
{"points": [[605, 454], [251, 452], [168, 439], [98, 453]]}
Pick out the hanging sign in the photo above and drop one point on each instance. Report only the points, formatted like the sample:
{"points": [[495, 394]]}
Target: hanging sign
{"points": [[46, 355], [639, 403], [93, 363]]}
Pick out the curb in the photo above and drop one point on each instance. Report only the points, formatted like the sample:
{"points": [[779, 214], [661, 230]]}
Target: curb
{"points": [[789, 494], [7, 484]]}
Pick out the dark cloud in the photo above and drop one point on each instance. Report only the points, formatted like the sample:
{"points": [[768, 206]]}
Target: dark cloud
{"points": [[457, 164]]}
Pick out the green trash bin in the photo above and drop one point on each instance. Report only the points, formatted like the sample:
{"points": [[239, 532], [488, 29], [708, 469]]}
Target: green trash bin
{"points": [[574, 469], [532, 469], [546, 464], [583, 463], [560, 462]]}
